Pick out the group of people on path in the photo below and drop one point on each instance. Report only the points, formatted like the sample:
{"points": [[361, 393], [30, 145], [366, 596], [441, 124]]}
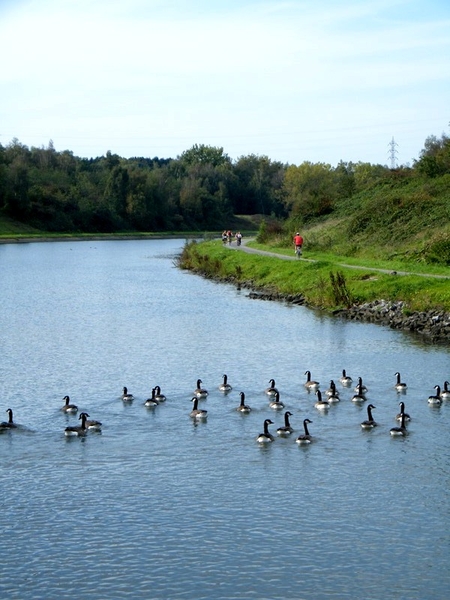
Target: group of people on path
{"points": [[227, 236]]}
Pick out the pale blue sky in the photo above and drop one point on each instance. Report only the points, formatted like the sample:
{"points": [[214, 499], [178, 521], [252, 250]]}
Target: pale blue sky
{"points": [[294, 80]]}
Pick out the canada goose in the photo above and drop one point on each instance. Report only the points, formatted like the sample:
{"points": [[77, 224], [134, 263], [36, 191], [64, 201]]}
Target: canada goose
{"points": [[360, 388], [266, 437], [332, 393], [276, 404], [225, 387], [402, 413], [287, 429], [69, 408], [369, 423], [435, 400], [399, 385], [197, 413], [78, 430], [93, 425], [321, 404], [243, 408], [397, 431], [152, 402], [126, 397], [445, 393], [359, 396], [345, 379], [199, 391], [271, 390], [304, 438], [9, 424], [158, 396], [310, 384]]}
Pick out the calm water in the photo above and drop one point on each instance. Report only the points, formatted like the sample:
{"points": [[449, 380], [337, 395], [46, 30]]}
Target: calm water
{"points": [[157, 507]]}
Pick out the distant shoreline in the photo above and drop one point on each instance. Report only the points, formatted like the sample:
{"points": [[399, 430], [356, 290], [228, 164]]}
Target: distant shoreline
{"points": [[93, 238]]}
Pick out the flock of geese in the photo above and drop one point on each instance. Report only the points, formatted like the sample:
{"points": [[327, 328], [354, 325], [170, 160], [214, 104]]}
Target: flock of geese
{"points": [[323, 402], [331, 396]]}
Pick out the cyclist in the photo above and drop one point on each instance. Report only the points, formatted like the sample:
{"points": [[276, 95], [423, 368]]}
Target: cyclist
{"points": [[298, 243]]}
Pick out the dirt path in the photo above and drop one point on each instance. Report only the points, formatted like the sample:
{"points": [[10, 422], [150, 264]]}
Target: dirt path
{"points": [[245, 248]]}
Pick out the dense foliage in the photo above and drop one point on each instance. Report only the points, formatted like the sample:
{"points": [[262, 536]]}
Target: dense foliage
{"points": [[203, 189]]}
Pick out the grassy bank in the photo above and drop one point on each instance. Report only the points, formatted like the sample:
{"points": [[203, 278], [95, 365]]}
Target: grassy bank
{"points": [[14, 231], [325, 283]]}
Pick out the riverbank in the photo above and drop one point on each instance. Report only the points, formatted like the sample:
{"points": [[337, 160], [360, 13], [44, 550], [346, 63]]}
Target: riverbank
{"points": [[95, 238], [432, 325], [410, 302]]}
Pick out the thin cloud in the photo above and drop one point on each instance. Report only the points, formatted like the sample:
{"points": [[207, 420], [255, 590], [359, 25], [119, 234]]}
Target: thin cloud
{"points": [[244, 75]]}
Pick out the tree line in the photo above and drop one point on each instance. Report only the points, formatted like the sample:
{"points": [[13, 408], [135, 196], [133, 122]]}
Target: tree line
{"points": [[202, 189]]}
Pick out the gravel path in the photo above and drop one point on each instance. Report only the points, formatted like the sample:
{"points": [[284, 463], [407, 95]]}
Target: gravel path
{"points": [[245, 248]]}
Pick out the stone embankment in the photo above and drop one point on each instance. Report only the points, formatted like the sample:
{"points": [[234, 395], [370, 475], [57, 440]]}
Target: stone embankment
{"points": [[431, 324]]}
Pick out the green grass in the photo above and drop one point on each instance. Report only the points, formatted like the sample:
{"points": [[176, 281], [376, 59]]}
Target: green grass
{"points": [[391, 265], [313, 280], [14, 230]]}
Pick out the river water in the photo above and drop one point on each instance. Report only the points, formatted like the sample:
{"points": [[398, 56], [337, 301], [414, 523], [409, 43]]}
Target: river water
{"points": [[158, 506]]}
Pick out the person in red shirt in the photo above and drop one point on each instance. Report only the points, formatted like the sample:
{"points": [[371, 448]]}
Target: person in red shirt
{"points": [[298, 243]]}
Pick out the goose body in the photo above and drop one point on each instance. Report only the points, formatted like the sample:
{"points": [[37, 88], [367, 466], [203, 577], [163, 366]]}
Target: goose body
{"points": [[310, 384], [445, 393], [304, 438], [243, 408], [271, 390], [359, 396], [93, 425], [332, 393], [152, 401], [402, 413], [321, 404], [360, 388], [399, 431], [78, 430], [9, 424], [266, 437], [126, 396], [197, 413], [399, 385], [225, 387], [199, 391], [276, 404], [435, 400], [158, 396], [345, 379], [369, 423], [286, 430], [68, 407]]}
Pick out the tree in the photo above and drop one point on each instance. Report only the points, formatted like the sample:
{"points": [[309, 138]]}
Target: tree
{"points": [[368, 175], [116, 191], [310, 190], [435, 157], [258, 186], [201, 154], [345, 179]]}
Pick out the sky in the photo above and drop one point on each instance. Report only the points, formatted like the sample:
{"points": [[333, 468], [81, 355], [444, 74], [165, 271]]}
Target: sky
{"points": [[300, 80]]}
